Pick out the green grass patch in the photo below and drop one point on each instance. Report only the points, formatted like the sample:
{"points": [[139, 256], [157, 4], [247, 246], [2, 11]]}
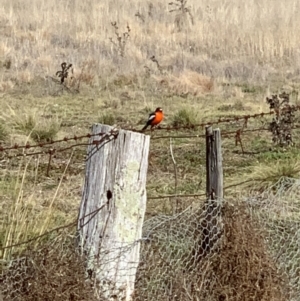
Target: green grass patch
{"points": [[3, 132], [107, 118], [184, 118]]}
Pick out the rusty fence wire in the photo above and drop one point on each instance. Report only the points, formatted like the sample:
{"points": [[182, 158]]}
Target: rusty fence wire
{"points": [[231, 250]]}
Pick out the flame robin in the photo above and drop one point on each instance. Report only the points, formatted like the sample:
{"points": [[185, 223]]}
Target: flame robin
{"points": [[154, 118]]}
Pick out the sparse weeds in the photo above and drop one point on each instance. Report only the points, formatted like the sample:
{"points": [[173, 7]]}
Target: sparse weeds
{"points": [[140, 16], [111, 103], [121, 39], [154, 60], [72, 83], [16, 214], [183, 12], [67, 82], [86, 75], [27, 214]]}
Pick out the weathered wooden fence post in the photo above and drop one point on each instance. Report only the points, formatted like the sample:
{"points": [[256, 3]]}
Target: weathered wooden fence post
{"points": [[214, 167], [112, 209], [212, 223]]}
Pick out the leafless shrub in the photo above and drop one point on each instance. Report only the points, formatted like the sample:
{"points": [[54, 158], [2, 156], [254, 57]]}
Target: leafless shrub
{"points": [[154, 60], [150, 10], [121, 40], [86, 75], [183, 12], [72, 83], [140, 16], [64, 72], [282, 123]]}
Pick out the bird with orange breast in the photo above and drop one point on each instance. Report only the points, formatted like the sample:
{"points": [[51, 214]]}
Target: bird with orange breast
{"points": [[154, 119]]}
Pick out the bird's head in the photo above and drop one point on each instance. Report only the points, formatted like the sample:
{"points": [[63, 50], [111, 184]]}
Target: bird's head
{"points": [[158, 110]]}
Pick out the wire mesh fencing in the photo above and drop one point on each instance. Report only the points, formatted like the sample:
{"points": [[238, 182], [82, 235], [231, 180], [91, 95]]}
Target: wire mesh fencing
{"points": [[174, 249], [46, 269], [206, 252], [230, 250], [210, 253], [278, 211]]}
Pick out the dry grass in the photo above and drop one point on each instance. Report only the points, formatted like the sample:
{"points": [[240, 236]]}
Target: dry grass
{"points": [[232, 39], [267, 174], [34, 203], [51, 271], [239, 268], [214, 60]]}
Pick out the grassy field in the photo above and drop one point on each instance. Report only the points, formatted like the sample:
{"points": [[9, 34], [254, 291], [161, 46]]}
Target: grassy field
{"points": [[210, 60]]}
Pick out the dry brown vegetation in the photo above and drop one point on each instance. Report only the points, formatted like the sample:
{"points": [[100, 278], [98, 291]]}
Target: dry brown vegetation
{"points": [[241, 269], [229, 39], [197, 60]]}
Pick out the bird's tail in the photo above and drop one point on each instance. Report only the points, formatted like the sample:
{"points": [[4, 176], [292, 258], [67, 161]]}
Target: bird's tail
{"points": [[145, 127]]}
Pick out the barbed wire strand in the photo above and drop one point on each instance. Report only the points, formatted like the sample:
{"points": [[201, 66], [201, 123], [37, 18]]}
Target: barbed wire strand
{"points": [[168, 128], [51, 142], [51, 151]]}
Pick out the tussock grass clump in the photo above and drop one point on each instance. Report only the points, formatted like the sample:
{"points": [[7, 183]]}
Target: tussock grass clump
{"points": [[107, 118], [39, 131], [3, 132], [26, 123], [33, 125], [184, 118], [45, 132], [267, 174]]}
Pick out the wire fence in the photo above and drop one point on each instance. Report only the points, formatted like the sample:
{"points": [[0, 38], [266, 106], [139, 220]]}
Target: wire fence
{"points": [[202, 253], [234, 250], [245, 118]]}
